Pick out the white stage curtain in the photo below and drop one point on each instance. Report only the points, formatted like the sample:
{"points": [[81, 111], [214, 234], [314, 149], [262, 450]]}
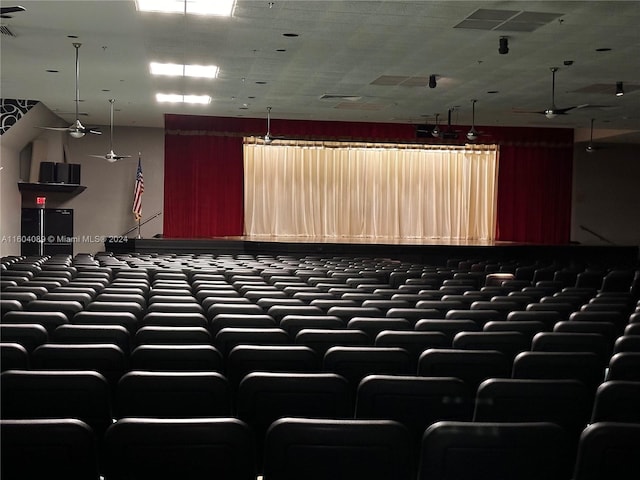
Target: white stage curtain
{"points": [[330, 189]]}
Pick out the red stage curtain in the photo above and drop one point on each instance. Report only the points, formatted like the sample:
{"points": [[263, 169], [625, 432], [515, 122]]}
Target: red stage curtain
{"points": [[203, 186], [534, 194]]}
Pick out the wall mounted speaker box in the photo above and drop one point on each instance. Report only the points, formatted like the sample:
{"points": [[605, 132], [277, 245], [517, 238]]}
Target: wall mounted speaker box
{"points": [[47, 172], [74, 173], [62, 173]]}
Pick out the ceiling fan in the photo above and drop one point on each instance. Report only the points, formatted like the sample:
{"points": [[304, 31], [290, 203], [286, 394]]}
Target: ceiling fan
{"points": [[110, 156], [5, 11], [554, 111], [76, 130], [590, 146], [268, 138]]}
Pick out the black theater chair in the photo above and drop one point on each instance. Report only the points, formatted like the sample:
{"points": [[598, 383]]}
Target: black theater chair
{"points": [[172, 394], [627, 343], [583, 366], [68, 307], [237, 320], [107, 359], [84, 395], [229, 337], [29, 335], [130, 307], [160, 335], [337, 450], [126, 319], [624, 366], [198, 448], [48, 448], [115, 334], [176, 358], [49, 320], [173, 319], [448, 327], [413, 342], [480, 316], [572, 342], [262, 398], [13, 356], [527, 328], [354, 362], [320, 340], [471, 366], [608, 450], [490, 451], [295, 323], [508, 343], [416, 402], [373, 326], [245, 359], [617, 401], [564, 402]]}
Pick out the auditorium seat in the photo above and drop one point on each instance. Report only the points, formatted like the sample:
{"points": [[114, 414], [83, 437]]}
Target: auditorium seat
{"points": [[126, 319], [320, 340], [624, 366], [229, 337], [413, 342], [627, 343], [172, 335], [297, 448], [224, 320], [373, 326], [16, 300], [470, 366], [115, 334], [608, 450], [508, 343], [48, 448], [617, 401], [564, 309], [167, 394], [199, 448], [262, 398], [549, 318], [13, 356], [84, 395], [295, 323], [564, 402], [355, 362], [67, 307], [49, 320], [572, 342], [130, 307], [173, 319], [582, 366], [107, 359], [448, 327], [29, 335], [491, 450], [176, 358], [413, 315], [245, 359], [416, 402], [479, 316], [347, 313]]}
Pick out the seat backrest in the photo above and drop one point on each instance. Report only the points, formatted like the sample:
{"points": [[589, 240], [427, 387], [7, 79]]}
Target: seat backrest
{"points": [[173, 319], [509, 343], [448, 327], [176, 358], [245, 359], [337, 449], [617, 401], [322, 340], [199, 448], [565, 402], [470, 366], [583, 366], [13, 356], [549, 318], [413, 342], [479, 316], [172, 395], [416, 402], [373, 326], [608, 450], [48, 448], [29, 335], [57, 394], [131, 307], [354, 363], [559, 341], [489, 451], [230, 337], [105, 358], [116, 334], [624, 366], [294, 323], [223, 320], [49, 320]]}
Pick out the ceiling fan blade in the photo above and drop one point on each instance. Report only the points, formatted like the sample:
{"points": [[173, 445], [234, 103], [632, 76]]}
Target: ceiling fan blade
{"points": [[4, 11], [57, 129]]}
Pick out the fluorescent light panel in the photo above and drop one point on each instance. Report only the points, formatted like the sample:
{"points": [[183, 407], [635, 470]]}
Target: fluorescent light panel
{"points": [[223, 8], [176, 70], [177, 98]]}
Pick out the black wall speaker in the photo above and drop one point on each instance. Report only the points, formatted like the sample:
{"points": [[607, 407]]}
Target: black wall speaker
{"points": [[47, 172], [74, 173], [62, 173]]}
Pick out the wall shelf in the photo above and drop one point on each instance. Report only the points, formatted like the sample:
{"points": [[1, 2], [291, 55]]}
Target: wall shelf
{"points": [[68, 188]]}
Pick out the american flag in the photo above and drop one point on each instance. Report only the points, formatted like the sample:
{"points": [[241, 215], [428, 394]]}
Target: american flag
{"points": [[137, 193]]}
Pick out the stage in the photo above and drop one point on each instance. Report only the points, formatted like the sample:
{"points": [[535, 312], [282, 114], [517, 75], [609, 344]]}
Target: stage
{"points": [[424, 251]]}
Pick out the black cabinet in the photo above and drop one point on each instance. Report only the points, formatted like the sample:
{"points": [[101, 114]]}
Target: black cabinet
{"points": [[46, 231]]}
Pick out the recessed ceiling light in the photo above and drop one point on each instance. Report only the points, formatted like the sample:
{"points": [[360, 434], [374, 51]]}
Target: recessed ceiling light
{"points": [[292, 35], [223, 8], [72, 36], [281, 50], [493, 91], [603, 49], [177, 98], [177, 70], [260, 82], [106, 90], [52, 71]]}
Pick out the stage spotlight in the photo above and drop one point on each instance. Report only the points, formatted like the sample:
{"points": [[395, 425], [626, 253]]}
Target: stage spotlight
{"points": [[619, 89], [503, 49], [432, 81]]}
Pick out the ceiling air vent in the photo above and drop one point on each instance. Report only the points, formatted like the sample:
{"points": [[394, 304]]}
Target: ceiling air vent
{"points": [[337, 96]]}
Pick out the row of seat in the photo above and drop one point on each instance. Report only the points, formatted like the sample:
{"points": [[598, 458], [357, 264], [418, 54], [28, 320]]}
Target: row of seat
{"points": [[316, 449]]}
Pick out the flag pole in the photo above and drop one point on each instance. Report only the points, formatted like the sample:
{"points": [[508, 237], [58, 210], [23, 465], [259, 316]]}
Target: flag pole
{"points": [[139, 236], [137, 195]]}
